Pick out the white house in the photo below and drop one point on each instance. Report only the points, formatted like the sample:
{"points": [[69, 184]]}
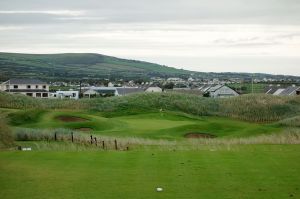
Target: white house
{"points": [[221, 91], [100, 91], [122, 91], [65, 94], [155, 89], [175, 80], [29, 87], [110, 91]]}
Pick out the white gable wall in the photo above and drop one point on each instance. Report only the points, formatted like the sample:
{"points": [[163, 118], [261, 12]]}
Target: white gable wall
{"points": [[223, 92]]}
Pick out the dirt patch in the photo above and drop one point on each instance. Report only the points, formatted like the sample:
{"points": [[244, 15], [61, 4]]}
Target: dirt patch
{"points": [[84, 129], [199, 135], [71, 119]]}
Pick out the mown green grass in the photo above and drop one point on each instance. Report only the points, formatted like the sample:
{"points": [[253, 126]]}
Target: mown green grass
{"points": [[160, 125], [256, 171]]}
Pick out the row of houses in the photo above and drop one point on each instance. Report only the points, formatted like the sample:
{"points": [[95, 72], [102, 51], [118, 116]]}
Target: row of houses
{"points": [[116, 91], [39, 89], [279, 90]]}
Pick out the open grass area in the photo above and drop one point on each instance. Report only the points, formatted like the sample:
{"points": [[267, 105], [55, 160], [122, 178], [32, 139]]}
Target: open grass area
{"points": [[160, 125], [256, 171]]}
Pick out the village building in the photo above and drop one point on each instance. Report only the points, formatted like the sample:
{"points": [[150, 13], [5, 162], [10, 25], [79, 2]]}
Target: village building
{"points": [[30, 87], [110, 91], [219, 91], [100, 92], [122, 91], [154, 89], [65, 95], [291, 90], [283, 91]]}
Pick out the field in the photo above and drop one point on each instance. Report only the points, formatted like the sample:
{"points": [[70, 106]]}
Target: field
{"points": [[265, 171], [192, 147]]}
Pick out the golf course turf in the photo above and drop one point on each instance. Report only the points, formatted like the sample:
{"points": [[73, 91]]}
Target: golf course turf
{"points": [[161, 125], [255, 171]]}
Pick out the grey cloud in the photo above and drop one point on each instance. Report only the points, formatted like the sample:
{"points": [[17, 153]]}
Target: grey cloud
{"points": [[139, 29], [192, 11], [246, 42]]}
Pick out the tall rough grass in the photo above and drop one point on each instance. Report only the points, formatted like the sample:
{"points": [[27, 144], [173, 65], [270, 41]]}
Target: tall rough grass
{"points": [[43, 140], [6, 136], [260, 108], [291, 122], [257, 108]]}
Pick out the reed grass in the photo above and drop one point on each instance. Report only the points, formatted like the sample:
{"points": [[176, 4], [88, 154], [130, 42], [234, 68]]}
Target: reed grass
{"points": [[256, 107], [44, 140]]}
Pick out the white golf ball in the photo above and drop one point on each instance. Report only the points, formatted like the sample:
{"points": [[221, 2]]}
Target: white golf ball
{"points": [[159, 189]]}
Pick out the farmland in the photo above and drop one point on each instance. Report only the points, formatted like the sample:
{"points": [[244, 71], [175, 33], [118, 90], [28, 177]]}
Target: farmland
{"points": [[192, 147]]}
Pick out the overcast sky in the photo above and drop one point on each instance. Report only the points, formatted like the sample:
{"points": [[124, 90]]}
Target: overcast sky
{"points": [[200, 35]]}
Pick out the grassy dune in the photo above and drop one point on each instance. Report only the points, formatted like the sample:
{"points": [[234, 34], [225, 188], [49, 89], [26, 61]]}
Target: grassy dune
{"points": [[254, 108]]}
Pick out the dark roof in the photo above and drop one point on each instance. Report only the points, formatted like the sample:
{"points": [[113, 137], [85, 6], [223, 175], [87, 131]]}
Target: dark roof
{"points": [[27, 90], [105, 91], [126, 91], [272, 89], [215, 88], [25, 81], [289, 90]]}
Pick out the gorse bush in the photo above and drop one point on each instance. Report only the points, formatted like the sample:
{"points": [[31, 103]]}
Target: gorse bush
{"points": [[257, 108]]}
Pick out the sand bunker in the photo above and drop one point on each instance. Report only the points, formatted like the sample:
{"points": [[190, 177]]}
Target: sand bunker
{"points": [[84, 129], [199, 135], [71, 119]]}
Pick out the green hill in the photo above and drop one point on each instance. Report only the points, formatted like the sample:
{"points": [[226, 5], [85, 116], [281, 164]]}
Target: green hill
{"points": [[76, 65]]}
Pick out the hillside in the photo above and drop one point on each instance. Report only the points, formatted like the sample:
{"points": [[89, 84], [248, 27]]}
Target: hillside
{"points": [[76, 65]]}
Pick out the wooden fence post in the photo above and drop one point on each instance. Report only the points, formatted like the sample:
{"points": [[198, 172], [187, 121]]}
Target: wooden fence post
{"points": [[116, 145], [55, 138], [72, 136], [103, 144], [95, 141]]}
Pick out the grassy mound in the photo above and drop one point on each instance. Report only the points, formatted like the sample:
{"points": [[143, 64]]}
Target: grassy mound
{"points": [[159, 125], [257, 108]]}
